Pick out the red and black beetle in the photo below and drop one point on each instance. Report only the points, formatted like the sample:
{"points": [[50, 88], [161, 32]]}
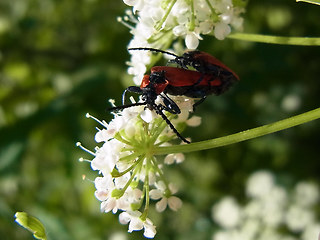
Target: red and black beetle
{"points": [[201, 62], [204, 63], [209, 77]]}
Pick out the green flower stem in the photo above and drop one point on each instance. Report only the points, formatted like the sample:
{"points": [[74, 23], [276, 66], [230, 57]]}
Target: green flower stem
{"points": [[310, 1], [115, 172], [118, 193], [146, 186], [214, 14], [303, 41], [164, 18], [159, 171], [192, 20], [241, 136]]}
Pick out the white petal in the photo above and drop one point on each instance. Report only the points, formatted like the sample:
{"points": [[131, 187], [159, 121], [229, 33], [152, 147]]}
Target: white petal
{"points": [[173, 188], [124, 218], [194, 121], [179, 30], [147, 115], [169, 159], [227, 212], [155, 194], [226, 17], [149, 229], [179, 157], [135, 224], [221, 31], [161, 205], [109, 204], [103, 183], [306, 194], [258, 179], [130, 2], [130, 130], [174, 203], [136, 194], [160, 185], [101, 195], [191, 41], [206, 27]]}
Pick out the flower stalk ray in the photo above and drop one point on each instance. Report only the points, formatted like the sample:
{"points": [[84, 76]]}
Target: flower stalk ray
{"points": [[242, 136]]}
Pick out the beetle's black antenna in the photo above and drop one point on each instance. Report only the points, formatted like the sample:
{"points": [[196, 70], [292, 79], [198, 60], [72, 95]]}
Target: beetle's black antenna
{"points": [[154, 50], [126, 106]]}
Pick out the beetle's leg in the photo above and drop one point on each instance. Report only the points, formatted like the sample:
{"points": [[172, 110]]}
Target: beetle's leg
{"points": [[198, 102], [178, 61], [169, 104], [197, 93], [158, 109]]}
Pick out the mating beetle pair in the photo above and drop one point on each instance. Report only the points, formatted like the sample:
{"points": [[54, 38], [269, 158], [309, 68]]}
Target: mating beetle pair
{"points": [[210, 76]]}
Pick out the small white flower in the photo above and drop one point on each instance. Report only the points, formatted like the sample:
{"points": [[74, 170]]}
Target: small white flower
{"points": [[298, 218], [104, 186], [260, 184], [273, 206], [312, 231], [136, 224], [291, 102], [227, 212], [111, 204], [174, 157], [160, 192], [221, 30], [118, 236], [268, 212], [306, 194], [133, 218]]}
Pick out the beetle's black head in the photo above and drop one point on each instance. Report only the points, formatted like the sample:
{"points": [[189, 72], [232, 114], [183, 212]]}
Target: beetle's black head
{"points": [[187, 60]]}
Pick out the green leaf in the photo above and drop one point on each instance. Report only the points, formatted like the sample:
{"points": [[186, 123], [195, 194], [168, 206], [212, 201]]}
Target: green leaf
{"points": [[32, 224], [310, 1], [303, 41]]}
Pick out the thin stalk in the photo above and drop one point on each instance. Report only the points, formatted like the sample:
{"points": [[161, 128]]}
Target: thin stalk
{"points": [[192, 20], [302, 41], [241, 136], [164, 18], [215, 16], [146, 189]]}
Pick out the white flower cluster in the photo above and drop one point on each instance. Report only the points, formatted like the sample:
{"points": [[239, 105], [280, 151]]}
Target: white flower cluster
{"points": [[130, 174], [270, 208], [160, 22]]}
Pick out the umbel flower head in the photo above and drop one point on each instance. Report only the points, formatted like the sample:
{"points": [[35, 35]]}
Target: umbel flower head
{"points": [[158, 23], [130, 175]]}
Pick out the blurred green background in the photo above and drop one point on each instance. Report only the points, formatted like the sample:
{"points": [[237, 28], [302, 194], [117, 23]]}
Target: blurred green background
{"points": [[62, 59]]}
